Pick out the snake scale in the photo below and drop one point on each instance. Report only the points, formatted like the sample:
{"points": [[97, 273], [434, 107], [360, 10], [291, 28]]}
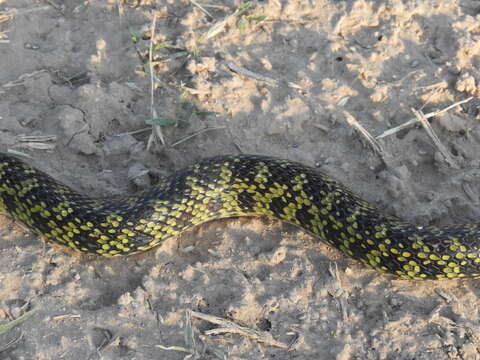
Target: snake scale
{"points": [[231, 186]]}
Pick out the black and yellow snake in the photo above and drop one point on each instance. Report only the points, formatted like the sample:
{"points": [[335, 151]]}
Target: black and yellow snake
{"points": [[230, 186]]}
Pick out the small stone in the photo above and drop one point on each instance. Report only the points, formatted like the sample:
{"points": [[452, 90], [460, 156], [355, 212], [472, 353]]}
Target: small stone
{"points": [[30, 46]]}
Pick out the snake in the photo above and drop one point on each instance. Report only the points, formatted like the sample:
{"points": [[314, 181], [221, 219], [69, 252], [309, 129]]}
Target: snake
{"points": [[233, 186]]}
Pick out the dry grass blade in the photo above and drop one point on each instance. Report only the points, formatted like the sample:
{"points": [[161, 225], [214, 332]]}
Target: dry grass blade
{"points": [[248, 73], [21, 78], [7, 15], [216, 7], [359, 127], [230, 327], [38, 142], [414, 121], [189, 337], [218, 27], [38, 146], [202, 9], [157, 130], [37, 138], [428, 128], [66, 317], [139, 131], [121, 9], [251, 74], [10, 14], [196, 134], [11, 343]]}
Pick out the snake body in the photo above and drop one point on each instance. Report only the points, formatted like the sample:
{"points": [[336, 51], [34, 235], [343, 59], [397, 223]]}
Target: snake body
{"points": [[231, 186]]}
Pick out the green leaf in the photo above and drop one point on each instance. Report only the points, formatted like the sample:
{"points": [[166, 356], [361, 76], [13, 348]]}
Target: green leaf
{"points": [[162, 45], [162, 121], [256, 18], [204, 114], [146, 68], [195, 51], [13, 323], [242, 9], [242, 23], [135, 38]]}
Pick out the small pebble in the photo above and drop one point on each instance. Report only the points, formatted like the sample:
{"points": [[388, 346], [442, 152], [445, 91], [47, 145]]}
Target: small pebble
{"points": [[30, 46]]}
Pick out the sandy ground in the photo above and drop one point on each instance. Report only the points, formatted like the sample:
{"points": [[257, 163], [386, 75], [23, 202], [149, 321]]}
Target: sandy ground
{"points": [[283, 78]]}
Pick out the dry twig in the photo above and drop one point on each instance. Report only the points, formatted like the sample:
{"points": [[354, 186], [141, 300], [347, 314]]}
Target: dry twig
{"points": [[359, 127], [414, 121], [428, 128], [20, 80], [133, 132], [230, 327]]}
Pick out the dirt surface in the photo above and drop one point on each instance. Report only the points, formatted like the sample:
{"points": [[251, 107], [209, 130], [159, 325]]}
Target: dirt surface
{"points": [[284, 78]]}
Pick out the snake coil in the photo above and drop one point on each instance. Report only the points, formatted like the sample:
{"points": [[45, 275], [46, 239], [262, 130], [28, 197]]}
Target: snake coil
{"points": [[231, 186]]}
